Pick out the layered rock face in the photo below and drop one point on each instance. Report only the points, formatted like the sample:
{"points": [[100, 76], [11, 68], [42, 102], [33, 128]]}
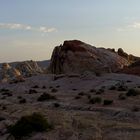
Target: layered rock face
{"points": [[7, 73], [77, 57], [28, 68], [19, 72]]}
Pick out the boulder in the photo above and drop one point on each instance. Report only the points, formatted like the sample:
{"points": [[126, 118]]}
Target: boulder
{"points": [[75, 56]]}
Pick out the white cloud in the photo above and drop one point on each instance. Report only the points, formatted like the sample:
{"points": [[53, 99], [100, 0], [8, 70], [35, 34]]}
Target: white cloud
{"points": [[135, 25], [15, 26], [131, 27]]}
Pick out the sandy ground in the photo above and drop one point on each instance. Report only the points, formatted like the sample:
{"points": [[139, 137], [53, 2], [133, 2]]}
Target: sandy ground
{"points": [[76, 118]]}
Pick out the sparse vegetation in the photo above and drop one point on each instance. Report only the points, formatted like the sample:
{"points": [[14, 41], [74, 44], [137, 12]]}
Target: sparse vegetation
{"points": [[44, 87], [81, 94], [7, 93], [132, 92], [2, 118], [28, 124], [46, 96], [122, 88], [22, 101], [4, 90], [95, 100], [57, 86], [122, 96], [36, 86], [112, 88], [32, 91], [54, 90], [74, 89], [92, 90], [77, 97], [108, 102], [56, 105], [135, 109]]}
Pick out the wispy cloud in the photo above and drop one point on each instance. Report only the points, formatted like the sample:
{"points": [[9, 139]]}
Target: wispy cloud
{"points": [[16, 26], [130, 27]]}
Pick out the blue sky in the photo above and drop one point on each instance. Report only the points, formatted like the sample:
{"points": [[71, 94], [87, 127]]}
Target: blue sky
{"points": [[30, 29]]}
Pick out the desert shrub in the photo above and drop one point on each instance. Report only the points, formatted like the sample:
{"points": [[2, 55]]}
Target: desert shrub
{"points": [[50, 87], [128, 81], [2, 118], [19, 97], [81, 94], [101, 90], [4, 90], [54, 90], [112, 88], [95, 100], [44, 87], [22, 101], [92, 90], [98, 74], [122, 88], [132, 92], [7, 93], [4, 107], [77, 97], [108, 102], [56, 105], [88, 96], [135, 109], [32, 91], [74, 89], [36, 86], [28, 124], [57, 86], [46, 96], [122, 96]]}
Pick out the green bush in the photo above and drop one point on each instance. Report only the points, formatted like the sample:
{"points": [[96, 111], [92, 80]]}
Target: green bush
{"points": [[22, 101], [122, 88], [46, 96], [112, 88], [95, 100], [132, 92], [108, 102], [77, 97], [28, 124], [54, 90], [81, 94]]}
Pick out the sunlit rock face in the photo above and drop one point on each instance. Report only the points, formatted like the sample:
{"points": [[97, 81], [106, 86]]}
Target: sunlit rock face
{"points": [[19, 72], [77, 57], [8, 73], [29, 68]]}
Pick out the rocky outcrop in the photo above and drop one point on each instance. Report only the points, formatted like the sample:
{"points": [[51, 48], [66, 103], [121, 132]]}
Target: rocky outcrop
{"points": [[7, 73], [29, 68], [77, 57], [122, 53], [18, 72], [133, 69]]}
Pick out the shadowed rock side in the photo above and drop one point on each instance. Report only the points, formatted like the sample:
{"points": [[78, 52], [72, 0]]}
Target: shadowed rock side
{"points": [[133, 69], [77, 57]]}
